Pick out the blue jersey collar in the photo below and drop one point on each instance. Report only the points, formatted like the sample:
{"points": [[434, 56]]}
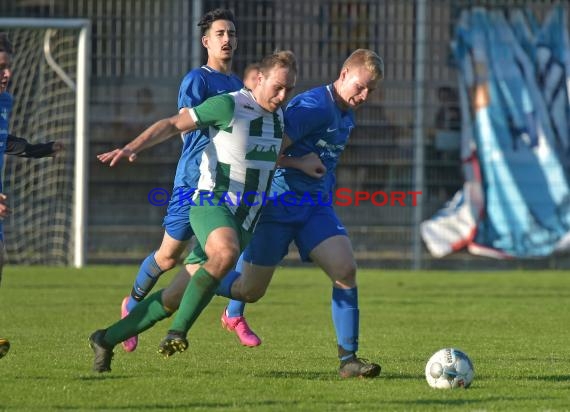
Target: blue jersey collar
{"points": [[329, 88]]}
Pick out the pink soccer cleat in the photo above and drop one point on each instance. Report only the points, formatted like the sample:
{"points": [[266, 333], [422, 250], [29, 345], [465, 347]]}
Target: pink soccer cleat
{"points": [[239, 325], [130, 344]]}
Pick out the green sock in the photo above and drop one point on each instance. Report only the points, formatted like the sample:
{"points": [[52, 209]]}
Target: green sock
{"points": [[198, 294], [141, 318]]}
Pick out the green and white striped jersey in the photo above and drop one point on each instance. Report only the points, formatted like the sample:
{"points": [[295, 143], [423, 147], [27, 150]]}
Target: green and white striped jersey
{"points": [[245, 140]]}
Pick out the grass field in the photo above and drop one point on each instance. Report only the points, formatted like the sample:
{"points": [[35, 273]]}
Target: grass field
{"points": [[514, 326]]}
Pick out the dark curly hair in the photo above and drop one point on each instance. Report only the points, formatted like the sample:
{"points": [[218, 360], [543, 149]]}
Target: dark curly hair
{"points": [[218, 14]]}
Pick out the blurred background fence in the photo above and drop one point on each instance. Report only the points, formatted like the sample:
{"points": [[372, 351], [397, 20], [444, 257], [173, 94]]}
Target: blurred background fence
{"points": [[141, 49]]}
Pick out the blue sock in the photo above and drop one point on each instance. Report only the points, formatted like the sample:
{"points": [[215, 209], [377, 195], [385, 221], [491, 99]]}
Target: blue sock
{"points": [[225, 287], [235, 308], [148, 275], [345, 316]]}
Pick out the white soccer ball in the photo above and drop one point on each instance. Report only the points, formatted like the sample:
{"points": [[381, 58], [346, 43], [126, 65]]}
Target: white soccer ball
{"points": [[449, 368]]}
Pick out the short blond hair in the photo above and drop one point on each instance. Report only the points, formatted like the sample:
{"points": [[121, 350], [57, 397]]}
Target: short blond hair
{"points": [[279, 58], [368, 59]]}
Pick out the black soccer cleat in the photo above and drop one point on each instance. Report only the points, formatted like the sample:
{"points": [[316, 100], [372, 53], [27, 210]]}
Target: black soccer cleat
{"points": [[103, 354], [172, 343], [358, 368], [4, 347]]}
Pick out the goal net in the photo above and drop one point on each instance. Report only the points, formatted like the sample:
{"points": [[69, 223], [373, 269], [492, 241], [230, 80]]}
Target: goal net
{"points": [[47, 195]]}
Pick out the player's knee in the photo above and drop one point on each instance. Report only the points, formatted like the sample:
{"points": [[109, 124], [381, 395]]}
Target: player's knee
{"points": [[248, 291], [346, 273], [222, 260], [165, 262], [253, 295]]}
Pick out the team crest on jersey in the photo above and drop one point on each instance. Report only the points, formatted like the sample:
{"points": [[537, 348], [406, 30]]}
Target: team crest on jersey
{"points": [[264, 153], [329, 149], [4, 113]]}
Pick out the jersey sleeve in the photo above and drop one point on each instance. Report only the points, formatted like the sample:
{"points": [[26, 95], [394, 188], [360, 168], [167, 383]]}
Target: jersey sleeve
{"points": [[193, 90], [303, 118], [18, 146], [217, 111]]}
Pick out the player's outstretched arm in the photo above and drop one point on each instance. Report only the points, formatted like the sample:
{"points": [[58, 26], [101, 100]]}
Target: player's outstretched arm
{"points": [[155, 134], [18, 146]]}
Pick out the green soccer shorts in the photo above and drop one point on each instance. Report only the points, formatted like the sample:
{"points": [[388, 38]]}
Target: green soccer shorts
{"points": [[204, 220]]}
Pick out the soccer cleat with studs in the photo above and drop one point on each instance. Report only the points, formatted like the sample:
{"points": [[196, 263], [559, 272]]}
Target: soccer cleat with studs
{"points": [[238, 324], [103, 354], [172, 343], [358, 368]]}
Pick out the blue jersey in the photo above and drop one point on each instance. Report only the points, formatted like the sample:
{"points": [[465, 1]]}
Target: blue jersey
{"points": [[5, 110], [197, 86], [315, 123]]}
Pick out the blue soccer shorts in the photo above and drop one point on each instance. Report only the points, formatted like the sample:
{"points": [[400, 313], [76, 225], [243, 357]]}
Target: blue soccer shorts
{"points": [[279, 224], [177, 220]]}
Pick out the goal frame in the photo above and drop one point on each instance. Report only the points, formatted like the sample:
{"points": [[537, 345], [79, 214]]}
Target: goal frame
{"points": [[81, 118]]}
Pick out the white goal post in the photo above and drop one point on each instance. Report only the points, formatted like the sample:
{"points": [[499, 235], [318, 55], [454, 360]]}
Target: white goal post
{"points": [[80, 87]]}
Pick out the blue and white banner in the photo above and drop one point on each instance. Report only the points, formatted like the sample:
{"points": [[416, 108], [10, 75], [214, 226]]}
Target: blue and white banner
{"points": [[515, 105]]}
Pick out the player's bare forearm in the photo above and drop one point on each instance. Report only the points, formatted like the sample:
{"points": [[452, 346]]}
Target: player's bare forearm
{"points": [[309, 164], [155, 134]]}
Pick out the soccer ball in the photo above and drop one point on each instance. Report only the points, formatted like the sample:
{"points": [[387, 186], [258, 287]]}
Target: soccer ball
{"points": [[4, 347], [449, 368]]}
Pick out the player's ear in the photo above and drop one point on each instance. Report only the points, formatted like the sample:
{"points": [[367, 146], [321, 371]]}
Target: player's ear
{"points": [[205, 41], [343, 73]]}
